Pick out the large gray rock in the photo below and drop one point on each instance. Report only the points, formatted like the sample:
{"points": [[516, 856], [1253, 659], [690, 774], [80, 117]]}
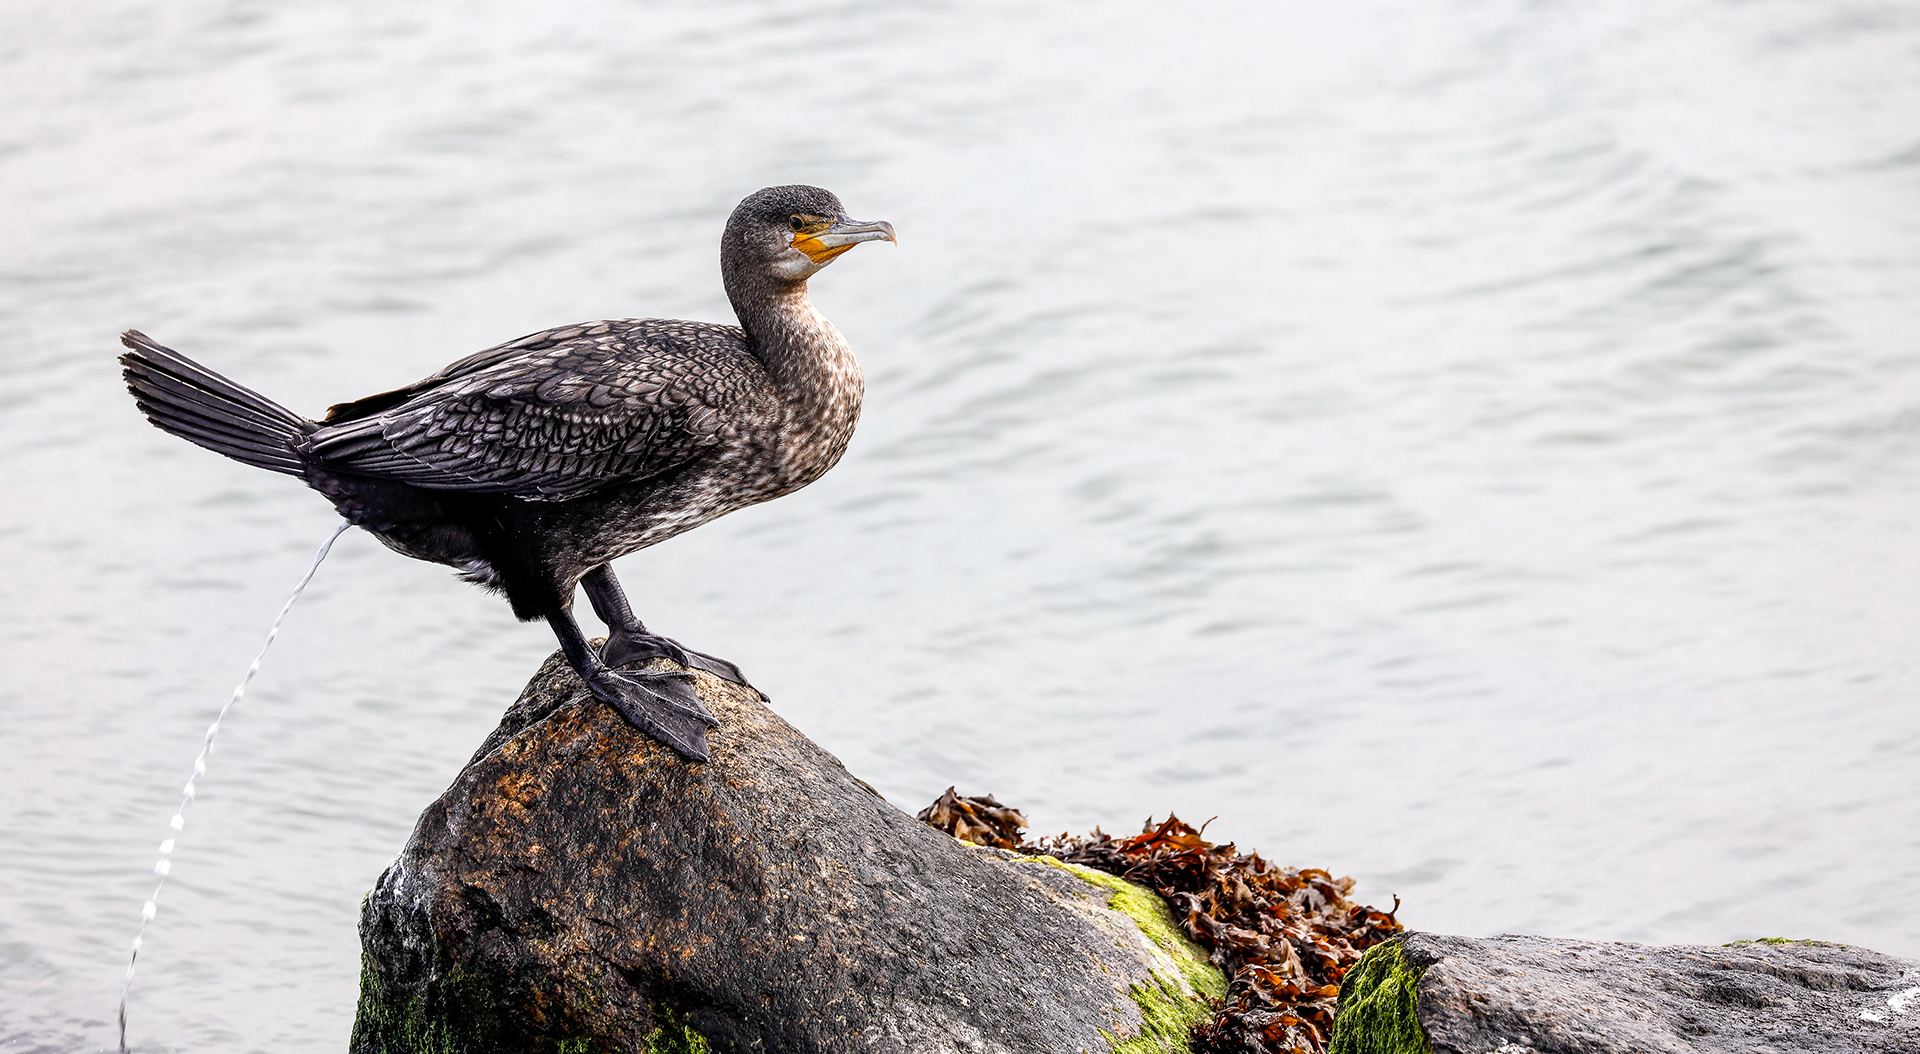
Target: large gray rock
{"points": [[1538, 995], [581, 888]]}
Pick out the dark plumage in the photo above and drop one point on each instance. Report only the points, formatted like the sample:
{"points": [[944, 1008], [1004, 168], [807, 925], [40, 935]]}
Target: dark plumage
{"points": [[531, 465]]}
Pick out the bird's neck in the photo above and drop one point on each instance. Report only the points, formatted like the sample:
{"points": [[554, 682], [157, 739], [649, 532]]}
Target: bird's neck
{"points": [[800, 348], [807, 358]]}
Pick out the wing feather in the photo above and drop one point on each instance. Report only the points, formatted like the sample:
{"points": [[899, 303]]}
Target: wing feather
{"points": [[587, 407]]}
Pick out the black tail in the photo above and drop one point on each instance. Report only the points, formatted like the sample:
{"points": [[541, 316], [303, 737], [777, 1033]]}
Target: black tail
{"points": [[183, 397]]}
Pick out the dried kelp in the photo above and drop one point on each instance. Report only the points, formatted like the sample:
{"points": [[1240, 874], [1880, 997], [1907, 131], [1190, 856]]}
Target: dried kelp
{"points": [[1285, 936], [976, 819]]}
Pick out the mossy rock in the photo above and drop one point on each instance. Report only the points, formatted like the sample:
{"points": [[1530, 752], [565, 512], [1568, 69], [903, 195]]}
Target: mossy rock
{"points": [[1426, 992], [1175, 997], [581, 888], [1379, 1005]]}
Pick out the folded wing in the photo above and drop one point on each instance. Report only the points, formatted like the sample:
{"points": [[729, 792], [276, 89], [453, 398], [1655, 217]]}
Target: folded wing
{"points": [[550, 424]]}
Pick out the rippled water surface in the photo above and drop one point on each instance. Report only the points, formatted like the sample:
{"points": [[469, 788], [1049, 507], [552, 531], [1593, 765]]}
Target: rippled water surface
{"points": [[1470, 446]]}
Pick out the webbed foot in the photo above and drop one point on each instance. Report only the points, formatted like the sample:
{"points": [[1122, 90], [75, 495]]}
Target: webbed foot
{"points": [[626, 647], [660, 703]]}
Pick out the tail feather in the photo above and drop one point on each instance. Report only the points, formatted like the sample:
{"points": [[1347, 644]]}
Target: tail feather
{"points": [[203, 426], [208, 404], [144, 350], [240, 448], [184, 398]]}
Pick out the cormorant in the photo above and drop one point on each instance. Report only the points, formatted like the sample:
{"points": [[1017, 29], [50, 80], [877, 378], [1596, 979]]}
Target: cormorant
{"points": [[531, 465]]}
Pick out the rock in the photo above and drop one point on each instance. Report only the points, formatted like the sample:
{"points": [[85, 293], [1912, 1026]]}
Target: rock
{"points": [[1537, 995], [581, 888]]}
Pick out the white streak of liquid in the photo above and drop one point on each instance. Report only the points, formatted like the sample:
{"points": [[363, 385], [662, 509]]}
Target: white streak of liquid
{"points": [[179, 820]]}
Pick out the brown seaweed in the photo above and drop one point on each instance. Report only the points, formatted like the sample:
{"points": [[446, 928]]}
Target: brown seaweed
{"points": [[976, 819], [1284, 936]]}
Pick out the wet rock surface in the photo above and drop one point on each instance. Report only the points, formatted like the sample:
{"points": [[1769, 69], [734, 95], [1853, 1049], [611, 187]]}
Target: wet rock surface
{"points": [[1537, 995], [581, 888]]}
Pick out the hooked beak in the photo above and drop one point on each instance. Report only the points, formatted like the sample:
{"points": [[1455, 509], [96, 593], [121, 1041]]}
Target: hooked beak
{"points": [[842, 235]]}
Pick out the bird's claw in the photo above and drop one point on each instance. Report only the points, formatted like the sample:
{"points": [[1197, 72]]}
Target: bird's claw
{"points": [[660, 703], [625, 648]]}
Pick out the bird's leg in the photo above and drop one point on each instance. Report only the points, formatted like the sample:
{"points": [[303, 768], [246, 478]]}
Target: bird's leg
{"points": [[660, 703], [629, 642]]}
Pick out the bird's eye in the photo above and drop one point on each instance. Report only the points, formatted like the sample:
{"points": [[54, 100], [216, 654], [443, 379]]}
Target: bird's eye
{"points": [[796, 224]]}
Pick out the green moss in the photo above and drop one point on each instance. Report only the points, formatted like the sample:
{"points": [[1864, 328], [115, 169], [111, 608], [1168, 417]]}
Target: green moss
{"points": [[1181, 978], [673, 1035], [460, 1016], [1379, 1001], [1773, 940], [389, 1024], [1168, 1013]]}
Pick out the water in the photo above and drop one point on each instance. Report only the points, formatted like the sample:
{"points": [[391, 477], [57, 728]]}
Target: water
{"points": [[1473, 447], [178, 821]]}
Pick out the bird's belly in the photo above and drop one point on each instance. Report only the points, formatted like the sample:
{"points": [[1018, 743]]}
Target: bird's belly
{"points": [[625, 519], [425, 525]]}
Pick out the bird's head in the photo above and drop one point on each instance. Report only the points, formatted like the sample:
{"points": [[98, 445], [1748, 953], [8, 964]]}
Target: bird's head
{"points": [[787, 234]]}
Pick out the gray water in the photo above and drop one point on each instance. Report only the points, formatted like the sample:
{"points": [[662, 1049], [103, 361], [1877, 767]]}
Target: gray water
{"points": [[1471, 446]]}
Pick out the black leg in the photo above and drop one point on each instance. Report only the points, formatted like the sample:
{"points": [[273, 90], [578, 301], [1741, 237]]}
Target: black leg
{"points": [[629, 642], [660, 703]]}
